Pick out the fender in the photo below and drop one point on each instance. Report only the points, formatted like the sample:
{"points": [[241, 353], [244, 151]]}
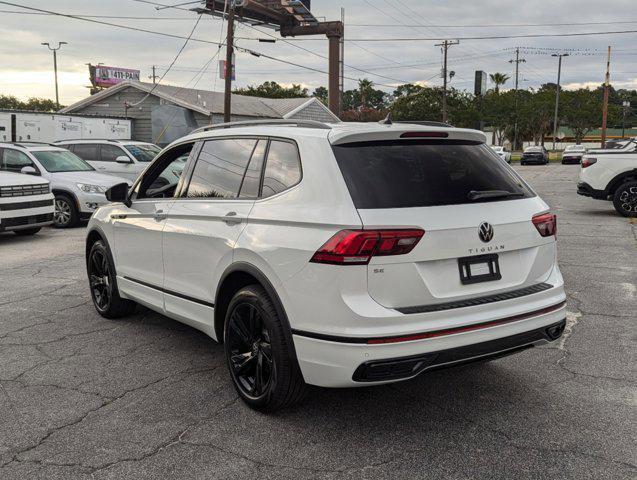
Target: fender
{"points": [[618, 180], [267, 285]]}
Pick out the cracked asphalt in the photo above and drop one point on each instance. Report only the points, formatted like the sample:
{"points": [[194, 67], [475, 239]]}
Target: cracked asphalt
{"points": [[146, 397]]}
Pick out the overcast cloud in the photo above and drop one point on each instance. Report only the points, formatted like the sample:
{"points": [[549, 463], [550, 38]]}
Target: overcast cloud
{"points": [[26, 66]]}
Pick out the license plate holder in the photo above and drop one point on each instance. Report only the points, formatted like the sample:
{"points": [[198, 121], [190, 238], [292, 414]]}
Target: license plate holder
{"points": [[480, 268]]}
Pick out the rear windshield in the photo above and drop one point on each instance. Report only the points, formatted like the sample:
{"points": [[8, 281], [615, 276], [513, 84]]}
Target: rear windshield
{"points": [[402, 174]]}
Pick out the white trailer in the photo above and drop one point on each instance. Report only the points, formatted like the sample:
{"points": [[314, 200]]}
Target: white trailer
{"points": [[50, 127]]}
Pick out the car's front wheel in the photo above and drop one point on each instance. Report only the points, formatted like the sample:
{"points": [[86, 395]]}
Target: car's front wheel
{"points": [[259, 356], [103, 283], [625, 199], [65, 214]]}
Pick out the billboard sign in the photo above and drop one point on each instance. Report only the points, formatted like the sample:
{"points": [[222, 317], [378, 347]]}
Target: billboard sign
{"points": [[480, 87], [109, 76]]}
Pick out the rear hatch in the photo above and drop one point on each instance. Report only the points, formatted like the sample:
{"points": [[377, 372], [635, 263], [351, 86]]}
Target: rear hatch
{"points": [[453, 190]]}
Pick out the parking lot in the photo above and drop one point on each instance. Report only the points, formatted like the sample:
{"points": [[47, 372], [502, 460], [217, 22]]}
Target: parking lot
{"points": [[147, 397]]}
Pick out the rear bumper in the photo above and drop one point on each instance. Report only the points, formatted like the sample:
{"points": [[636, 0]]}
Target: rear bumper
{"points": [[408, 367], [571, 160], [337, 363], [586, 190], [538, 160]]}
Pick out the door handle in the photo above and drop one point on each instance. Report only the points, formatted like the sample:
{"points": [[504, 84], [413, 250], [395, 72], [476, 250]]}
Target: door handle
{"points": [[159, 216], [232, 219]]}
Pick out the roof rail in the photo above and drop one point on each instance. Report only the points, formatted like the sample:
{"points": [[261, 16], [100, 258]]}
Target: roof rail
{"points": [[256, 123], [28, 143], [95, 140]]}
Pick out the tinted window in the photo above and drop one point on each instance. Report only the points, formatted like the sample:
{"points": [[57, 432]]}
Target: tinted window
{"points": [[220, 168], [283, 168], [110, 152], [14, 161], [86, 151], [398, 174], [252, 178], [143, 152]]}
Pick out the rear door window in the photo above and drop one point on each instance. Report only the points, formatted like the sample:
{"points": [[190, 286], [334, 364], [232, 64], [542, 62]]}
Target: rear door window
{"points": [[252, 177], [282, 169], [108, 153], [86, 151], [417, 173], [220, 168]]}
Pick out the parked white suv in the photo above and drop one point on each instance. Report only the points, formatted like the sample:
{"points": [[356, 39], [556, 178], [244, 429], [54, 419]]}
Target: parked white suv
{"points": [[26, 203], [122, 158], [611, 174], [333, 255], [77, 187]]}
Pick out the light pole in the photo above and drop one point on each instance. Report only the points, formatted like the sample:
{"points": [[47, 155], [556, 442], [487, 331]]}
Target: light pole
{"points": [[557, 93], [55, 68], [626, 105]]}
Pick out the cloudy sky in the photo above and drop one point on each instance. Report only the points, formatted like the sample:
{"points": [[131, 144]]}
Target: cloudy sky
{"points": [[26, 65]]}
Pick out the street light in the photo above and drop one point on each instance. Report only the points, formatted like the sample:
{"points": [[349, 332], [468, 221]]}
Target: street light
{"points": [[557, 93], [55, 68]]}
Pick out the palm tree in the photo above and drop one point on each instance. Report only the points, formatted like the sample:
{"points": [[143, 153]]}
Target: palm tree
{"points": [[364, 88], [499, 79]]}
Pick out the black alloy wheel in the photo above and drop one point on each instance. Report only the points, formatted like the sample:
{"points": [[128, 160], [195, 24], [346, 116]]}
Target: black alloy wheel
{"points": [[250, 351], [625, 199], [100, 279]]}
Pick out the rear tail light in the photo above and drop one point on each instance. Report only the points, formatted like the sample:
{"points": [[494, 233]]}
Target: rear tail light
{"points": [[588, 161], [546, 224], [357, 247]]}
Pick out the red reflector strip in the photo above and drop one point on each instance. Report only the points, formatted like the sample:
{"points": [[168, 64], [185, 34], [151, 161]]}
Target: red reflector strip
{"points": [[424, 135], [466, 328]]}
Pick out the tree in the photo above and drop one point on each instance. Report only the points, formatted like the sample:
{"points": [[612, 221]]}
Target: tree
{"points": [[407, 89], [322, 94], [9, 102], [582, 111], [272, 90], [499, 79], [365, 88], [426, 105]]}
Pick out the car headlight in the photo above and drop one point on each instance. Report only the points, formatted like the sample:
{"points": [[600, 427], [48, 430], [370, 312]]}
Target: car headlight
{"points": [[88, 188]]}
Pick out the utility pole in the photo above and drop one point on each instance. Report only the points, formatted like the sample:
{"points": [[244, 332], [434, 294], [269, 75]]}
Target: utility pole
{"points": [[517, 62], [55, 69], [445, 48], [227, 100], [154, 75], [606, 93], [557, 93], [342, 65]]}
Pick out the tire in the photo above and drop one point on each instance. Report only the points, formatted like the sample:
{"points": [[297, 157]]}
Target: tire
{"points": [[103, 284], [625, 199], [256, 346], [66, 214], [27, 231]]}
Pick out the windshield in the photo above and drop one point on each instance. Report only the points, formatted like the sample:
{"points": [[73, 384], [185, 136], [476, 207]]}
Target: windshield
{"points": [[417, 173], [145, 152], [61, 161]]}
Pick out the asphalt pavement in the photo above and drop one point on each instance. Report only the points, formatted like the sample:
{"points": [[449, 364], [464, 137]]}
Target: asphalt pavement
{"points": [[146, 397]]}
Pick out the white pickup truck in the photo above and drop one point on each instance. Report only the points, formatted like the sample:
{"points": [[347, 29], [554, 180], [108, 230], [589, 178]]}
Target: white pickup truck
{"points": [[611, 174]]}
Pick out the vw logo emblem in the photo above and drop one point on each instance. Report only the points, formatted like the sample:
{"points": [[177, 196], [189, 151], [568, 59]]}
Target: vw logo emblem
{"points": [[485, 232]]}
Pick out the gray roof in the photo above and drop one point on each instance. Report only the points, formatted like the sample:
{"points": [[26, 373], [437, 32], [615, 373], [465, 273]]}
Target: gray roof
{"points": [[206, 102]]}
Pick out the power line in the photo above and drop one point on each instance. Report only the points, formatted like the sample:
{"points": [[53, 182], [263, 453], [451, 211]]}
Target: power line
{"points": [[493, 25], [493, 37], [112, 17]]}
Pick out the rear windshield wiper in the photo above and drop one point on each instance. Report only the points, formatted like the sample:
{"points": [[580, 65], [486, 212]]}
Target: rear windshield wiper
{"points": [[478, 195]]}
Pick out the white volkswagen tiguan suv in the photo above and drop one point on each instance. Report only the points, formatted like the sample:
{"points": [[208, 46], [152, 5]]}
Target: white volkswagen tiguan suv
{"points": [[334, 255]]}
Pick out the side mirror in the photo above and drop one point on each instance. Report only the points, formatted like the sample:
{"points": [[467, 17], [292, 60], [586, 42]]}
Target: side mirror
{"points": [[29, 170], [117, 193], [123, 159]]}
